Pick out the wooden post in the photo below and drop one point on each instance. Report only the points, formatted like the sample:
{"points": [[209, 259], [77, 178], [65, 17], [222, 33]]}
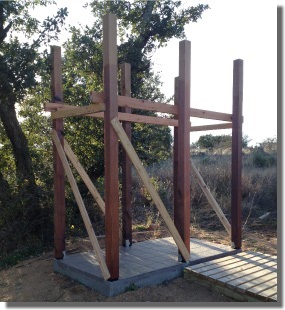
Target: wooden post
{"points": [[111, 145], [182, 143], [57, 124], [126, 163], [236, 202]]}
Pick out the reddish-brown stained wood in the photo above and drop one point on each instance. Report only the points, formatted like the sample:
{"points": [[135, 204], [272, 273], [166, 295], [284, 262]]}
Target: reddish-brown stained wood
{"points": [[111, 145], [236, 199], [175, 154], [126, 162], [182, 207], [59, 196]]}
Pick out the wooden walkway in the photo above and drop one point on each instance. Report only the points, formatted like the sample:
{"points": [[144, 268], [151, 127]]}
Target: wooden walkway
{"points": [[245, 276]]}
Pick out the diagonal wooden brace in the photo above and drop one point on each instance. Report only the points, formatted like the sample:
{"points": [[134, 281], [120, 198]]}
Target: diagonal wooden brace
{"points": [[153, 193], [81, 206]]}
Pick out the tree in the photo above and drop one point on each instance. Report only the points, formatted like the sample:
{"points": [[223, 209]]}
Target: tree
{"points": [[18, 67], [143, 27], [222, 142], [20, 62]]}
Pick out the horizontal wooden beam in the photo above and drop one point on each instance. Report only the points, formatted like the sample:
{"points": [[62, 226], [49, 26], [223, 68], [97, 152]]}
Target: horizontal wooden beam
{"points": [[210, 115], [78, 111], [211, 127], [53, 106], [135, 118], [141, 104], [153, 193], [81, 206]]}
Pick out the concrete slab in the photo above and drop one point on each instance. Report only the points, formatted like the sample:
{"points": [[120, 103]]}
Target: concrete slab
{"points": [[145, 263]]}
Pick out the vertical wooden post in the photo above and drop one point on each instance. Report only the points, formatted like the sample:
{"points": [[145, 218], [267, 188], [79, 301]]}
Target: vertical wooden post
{"points": [[236, 199], [126, 163], [111, 145], [182, 143], [59, 195]]}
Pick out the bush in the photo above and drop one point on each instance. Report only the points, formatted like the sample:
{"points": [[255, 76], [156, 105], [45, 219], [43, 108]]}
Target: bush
{"points": [[262, 159]]}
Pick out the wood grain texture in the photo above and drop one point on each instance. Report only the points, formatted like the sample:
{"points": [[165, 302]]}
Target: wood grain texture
{"points": [[248, 275], [59, 188], [74, 160], [78, 111], [111, 155], [80, 203], [182, 207], [126, 162], [236, 195], [212, 201], [153, 193]]}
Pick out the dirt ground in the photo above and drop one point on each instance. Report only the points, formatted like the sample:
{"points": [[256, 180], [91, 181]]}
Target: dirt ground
{"points": [[34, 280]]}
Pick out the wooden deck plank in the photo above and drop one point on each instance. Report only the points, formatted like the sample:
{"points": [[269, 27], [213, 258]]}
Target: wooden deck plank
{"points": [[249, 276], [268, 293], [244, 283], [242, 270], [213, 262], [234, 280], [217, 264], [263, 287], [236, 266]]}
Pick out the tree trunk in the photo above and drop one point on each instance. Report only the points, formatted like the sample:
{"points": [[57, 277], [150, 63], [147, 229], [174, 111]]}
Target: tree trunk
{"points": [[24, 166]]}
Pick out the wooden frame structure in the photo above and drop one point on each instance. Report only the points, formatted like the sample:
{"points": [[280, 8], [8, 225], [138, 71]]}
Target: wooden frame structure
{"points": [[106, 105]]}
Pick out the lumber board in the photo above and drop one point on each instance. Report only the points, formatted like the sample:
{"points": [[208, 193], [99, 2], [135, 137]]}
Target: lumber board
{"points": [[53, 106], [243, 282], [111, 152], [148, 105], [219, 288], [221, 264], [93, 190], [141, 104], [182, 208], [236, 182], [126, 163], [233, 280], [212, 201], [82, 208], [260, 282], [58, 173], [225, 276], [135, 118], [153, 193], [271, 291], [78, 111], [211, 127], [210, 115]]}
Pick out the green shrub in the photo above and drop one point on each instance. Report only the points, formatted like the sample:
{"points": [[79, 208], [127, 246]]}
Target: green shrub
{"points": [[262, 159]]}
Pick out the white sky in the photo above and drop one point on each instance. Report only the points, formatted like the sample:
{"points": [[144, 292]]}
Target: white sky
{"points": [[229, 30]]}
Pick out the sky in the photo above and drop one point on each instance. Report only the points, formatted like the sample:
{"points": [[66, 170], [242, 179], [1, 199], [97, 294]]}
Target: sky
{"points": [[229, 30]]}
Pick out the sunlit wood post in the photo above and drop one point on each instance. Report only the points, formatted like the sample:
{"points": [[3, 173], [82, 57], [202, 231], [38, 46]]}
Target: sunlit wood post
{"points": [[111, 159], [57, 124], [236, 199], [126, 163], [182, 146]]}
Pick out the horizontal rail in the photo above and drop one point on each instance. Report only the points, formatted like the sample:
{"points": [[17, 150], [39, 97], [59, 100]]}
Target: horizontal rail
{"points": [[211, 127], [141, 104], [78, 111], [148, 105]]}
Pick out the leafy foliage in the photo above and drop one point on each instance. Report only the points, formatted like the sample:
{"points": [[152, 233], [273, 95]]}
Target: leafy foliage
{"points": [[26, 179]]}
